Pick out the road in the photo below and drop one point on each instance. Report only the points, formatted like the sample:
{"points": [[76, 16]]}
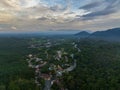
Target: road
{"points": [[47, 84]]}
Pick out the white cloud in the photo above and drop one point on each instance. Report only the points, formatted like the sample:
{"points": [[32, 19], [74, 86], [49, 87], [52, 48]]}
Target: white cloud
{"points": [[36, 14], [13, 28]]}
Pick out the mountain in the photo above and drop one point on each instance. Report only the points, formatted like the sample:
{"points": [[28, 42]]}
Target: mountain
{"points": [[82, 34], [110, 34]]}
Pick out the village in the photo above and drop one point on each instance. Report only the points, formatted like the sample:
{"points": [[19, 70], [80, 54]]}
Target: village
{"points": [[54, 63]]}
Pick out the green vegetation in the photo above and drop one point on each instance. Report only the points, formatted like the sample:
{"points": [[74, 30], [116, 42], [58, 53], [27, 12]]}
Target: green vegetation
{"points": [[98, 64], [98, 67], [14, 72]]}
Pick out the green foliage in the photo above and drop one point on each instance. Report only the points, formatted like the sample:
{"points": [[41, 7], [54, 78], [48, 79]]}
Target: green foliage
{"points": [[2, 87], [21, 84], [55, 87], [13, 64], [98, 65]]}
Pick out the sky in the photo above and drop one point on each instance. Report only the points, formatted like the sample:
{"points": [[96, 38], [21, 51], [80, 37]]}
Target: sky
{"points": [[53, 15]]}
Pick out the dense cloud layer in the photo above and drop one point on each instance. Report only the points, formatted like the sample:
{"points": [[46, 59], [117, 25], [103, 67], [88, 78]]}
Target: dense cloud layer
{"points": [[105, 7], [58, 14]]}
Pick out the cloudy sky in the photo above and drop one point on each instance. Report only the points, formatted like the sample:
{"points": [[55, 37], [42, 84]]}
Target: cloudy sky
{"points": [[40, 15]]}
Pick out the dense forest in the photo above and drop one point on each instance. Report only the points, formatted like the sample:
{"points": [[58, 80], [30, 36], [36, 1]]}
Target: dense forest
{"points": [[98, 65]]}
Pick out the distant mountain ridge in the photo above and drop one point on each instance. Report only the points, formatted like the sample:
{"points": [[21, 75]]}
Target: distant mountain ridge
{"points": [[83, 34], [110, 34]]}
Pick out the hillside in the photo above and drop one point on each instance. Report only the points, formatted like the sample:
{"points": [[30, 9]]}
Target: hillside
{"points": [[109, 35], [82, 34]]}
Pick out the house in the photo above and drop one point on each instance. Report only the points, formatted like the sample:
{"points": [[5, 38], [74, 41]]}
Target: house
{"points": [[45, 76], [30, 55]]}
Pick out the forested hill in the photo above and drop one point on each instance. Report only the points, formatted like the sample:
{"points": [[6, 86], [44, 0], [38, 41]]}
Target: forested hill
{"points": [[110, 34]]}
